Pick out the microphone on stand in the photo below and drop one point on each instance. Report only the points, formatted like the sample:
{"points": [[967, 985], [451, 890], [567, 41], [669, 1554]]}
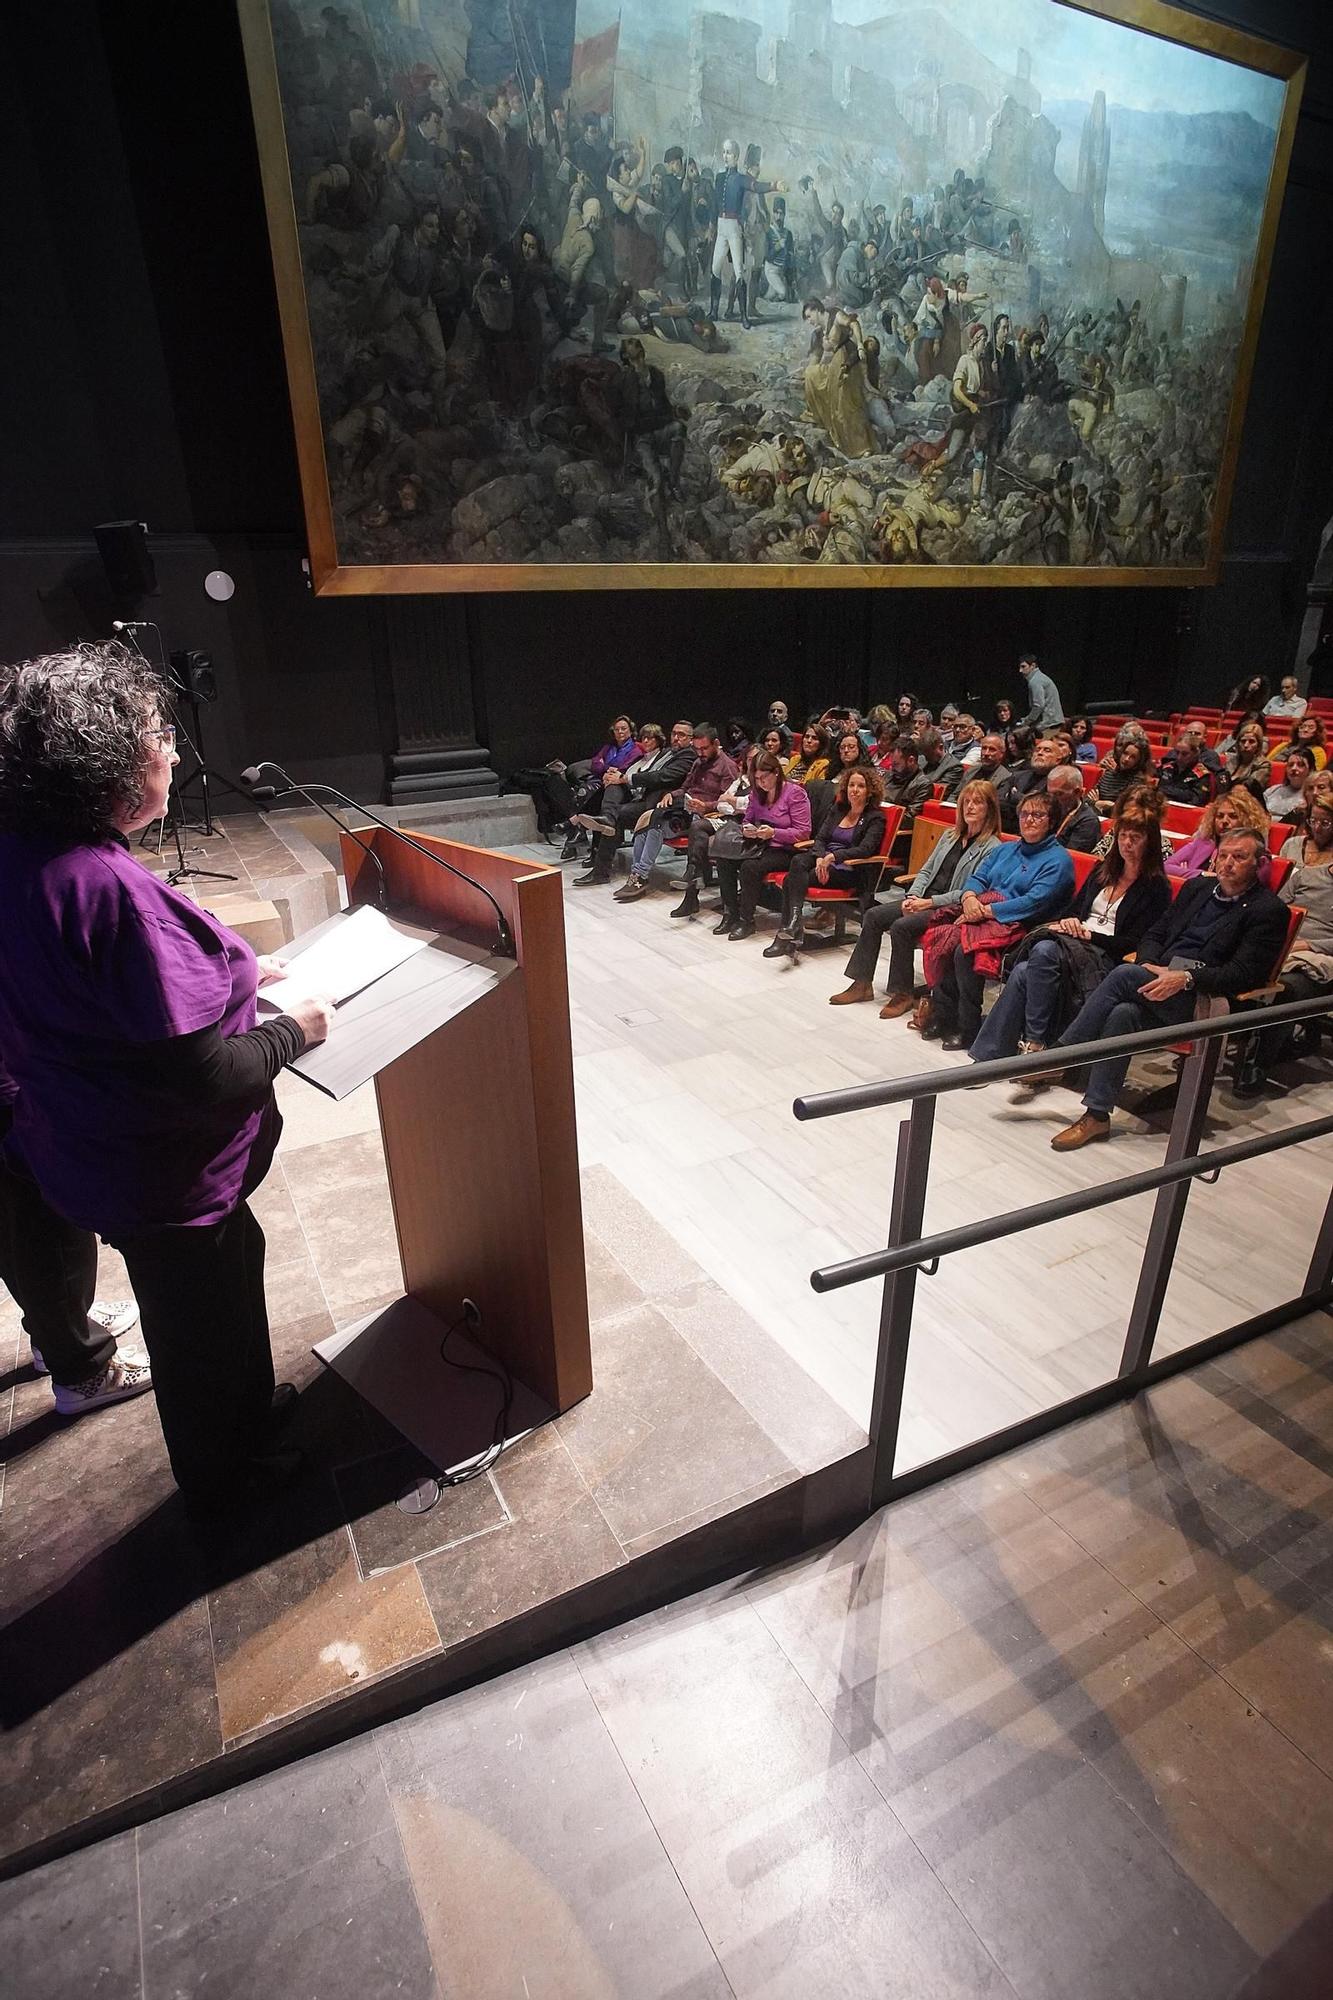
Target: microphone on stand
{"points": [[264, 794], [505, 947]]}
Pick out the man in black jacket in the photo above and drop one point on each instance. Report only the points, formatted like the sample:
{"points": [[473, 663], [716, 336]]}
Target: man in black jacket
{"points": [[624, 805], [1076, 825], [1188, 774], [1220, 937]]}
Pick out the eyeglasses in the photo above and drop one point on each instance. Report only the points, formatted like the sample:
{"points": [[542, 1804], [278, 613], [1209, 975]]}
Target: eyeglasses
{"points": [[166, 736]]}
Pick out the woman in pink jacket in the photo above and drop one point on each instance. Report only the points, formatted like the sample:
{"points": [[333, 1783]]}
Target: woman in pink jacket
{"points": [[777, 817]]}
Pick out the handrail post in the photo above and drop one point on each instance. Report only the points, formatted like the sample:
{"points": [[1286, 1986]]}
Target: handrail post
{"points": [[1196, 1085], [1320, 1274], [906, 1216]]}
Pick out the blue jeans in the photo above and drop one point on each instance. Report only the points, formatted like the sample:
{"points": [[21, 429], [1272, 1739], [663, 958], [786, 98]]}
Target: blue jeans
{"points": [[647, 847], [1115, 1009], [1025, 1010]]}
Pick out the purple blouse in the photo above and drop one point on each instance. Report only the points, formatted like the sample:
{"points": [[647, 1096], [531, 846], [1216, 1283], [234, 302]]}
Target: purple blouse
{"points": [[101, 958]]}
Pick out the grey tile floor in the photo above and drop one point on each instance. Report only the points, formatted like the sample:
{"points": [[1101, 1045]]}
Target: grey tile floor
{"points": [[1058, 1730]]}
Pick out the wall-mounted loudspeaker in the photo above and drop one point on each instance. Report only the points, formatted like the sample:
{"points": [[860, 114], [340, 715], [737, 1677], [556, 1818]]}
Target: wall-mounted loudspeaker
{"points": [[123, 547]]}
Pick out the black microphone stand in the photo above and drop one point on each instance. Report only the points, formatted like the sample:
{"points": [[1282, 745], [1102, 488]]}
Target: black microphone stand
{"points": [[174, 816]]}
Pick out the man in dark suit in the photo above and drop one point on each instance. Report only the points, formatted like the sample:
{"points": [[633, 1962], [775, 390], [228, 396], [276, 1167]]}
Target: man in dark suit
{"points": [[1219, 937], [645, 786]]}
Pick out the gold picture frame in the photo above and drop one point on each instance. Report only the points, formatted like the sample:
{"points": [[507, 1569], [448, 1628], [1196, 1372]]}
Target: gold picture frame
{"points": [[333, 575]]}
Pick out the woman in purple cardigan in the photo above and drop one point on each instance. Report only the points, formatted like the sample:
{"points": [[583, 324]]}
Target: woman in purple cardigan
{"points": [[777, 817], [566, 798]]}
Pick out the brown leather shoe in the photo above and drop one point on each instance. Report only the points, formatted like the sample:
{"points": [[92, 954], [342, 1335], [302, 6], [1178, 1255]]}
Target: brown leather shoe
{"points": [[1081, 1133], [860, 989], [896, 1006]]}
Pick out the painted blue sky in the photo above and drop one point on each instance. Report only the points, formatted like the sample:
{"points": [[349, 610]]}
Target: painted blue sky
{"points": [[1068, 49]]}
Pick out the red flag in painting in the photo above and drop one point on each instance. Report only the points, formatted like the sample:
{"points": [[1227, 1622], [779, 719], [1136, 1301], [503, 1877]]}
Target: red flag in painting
{"points": [[593, 77]]}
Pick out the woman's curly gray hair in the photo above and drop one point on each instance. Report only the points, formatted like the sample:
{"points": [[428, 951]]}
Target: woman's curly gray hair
{"points": [[72, 752]]}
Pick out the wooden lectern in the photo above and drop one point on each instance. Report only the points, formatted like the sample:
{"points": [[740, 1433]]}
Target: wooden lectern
{"points": [[478, 1120]]}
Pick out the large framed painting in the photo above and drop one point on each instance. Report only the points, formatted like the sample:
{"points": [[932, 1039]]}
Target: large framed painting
{"points": [[648, 293]]}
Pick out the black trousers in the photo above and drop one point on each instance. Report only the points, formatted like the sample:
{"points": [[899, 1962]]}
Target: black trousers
{"points": [[205, 1325], [904, 935], [624, 818], [800, 873], [958, 995], [50, 1268], [742, 880]]}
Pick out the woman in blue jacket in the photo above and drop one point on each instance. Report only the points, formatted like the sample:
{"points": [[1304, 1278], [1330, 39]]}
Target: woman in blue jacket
{"points": [[1019, 883]]}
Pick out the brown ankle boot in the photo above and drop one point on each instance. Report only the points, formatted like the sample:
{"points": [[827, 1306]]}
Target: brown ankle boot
{"points": [[860, 989], [896, 1006]]}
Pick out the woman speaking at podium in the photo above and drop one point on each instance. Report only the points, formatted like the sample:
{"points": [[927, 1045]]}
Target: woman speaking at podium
{"points": [[144, 1107]]}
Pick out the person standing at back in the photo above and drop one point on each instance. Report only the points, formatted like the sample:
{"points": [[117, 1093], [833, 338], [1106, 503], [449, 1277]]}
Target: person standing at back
{"points": [[1046, 708]]}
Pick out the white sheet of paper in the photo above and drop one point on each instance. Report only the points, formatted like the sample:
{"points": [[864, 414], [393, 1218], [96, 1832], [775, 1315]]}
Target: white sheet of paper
{"points": [[349, 959]]}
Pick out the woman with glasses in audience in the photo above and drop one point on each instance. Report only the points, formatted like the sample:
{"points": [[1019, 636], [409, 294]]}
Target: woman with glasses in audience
{"points": [[848, 751], [852, 832], [906, 912], [1058, 966], [143, 1106], [1019, 883]]}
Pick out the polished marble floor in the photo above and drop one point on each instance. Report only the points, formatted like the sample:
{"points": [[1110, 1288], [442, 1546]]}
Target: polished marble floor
{"points": [[722, 1378], [1056, 1730]]}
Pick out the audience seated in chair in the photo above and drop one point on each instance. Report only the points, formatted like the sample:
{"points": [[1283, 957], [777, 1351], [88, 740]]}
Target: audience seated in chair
{"points": [[1076, 823], [1308, 972], [585, 793], [810, 762], [1059, 966], [1218, 938], [1030, 776], [640, 788], [1246, 763], [1286, 800], [851, 832], [905, 783], [776, 818], [1233, 810], [1129, 763], [906, 913], [698, 792], [1019, 883], [1190, 773]]}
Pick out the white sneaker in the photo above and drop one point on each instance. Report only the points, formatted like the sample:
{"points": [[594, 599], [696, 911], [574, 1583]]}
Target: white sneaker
{"points": [[118, 1381], [114, 1316]]}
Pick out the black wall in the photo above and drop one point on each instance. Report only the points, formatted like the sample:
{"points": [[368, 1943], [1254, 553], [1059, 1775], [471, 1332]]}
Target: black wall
{"points": [[143, 376]]}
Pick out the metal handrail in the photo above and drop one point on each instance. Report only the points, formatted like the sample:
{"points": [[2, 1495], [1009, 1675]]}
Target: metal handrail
{"points": [[910, 1253], [1080, 1055], [927, 1250]]}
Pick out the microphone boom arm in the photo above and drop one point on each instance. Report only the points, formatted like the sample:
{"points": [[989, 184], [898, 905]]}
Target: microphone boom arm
{"points": [[505, 948], [250, 778]]}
